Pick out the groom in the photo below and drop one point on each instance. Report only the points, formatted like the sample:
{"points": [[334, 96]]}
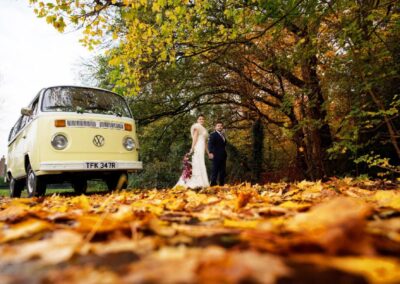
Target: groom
{"points": [[216, 147]]}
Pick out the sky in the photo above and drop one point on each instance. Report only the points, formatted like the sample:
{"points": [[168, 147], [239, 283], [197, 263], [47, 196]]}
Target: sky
{"points": [[33, 55]]}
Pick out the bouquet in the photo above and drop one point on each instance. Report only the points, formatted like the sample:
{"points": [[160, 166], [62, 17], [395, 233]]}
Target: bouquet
{"points": [[187, 167]]}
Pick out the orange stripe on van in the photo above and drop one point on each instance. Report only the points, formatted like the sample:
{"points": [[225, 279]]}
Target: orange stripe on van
{"points": [[59, 123], [128, 127]]}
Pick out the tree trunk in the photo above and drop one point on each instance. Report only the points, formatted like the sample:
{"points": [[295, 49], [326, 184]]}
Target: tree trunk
{"points": [[391, 128], [317, 132], [258, 143]]}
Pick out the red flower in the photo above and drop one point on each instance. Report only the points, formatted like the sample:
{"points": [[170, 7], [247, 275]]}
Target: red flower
{"points": [[187, 167]]}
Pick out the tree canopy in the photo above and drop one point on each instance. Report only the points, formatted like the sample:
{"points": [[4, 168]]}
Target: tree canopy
{"points": [[321, 75]]}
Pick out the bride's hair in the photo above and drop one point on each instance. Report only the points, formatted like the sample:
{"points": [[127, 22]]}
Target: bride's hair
{"points": [[201, 115]]}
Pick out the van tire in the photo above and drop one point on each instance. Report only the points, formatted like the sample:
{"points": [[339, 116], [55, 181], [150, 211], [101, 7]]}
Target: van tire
{"points": [[117, 181], [79, 186], [16, 187], [35, 185]]}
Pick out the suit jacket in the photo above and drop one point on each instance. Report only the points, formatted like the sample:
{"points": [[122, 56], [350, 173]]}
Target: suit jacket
{"points": [[216, 145]]}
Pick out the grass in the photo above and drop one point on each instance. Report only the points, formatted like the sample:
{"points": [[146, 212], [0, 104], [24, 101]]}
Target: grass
{"points": [[93, 187]]}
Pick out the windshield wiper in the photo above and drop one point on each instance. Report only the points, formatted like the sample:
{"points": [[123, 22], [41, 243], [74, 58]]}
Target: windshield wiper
{"points": [[106, 110], [80, 109], [58, 106], [96, 108]]}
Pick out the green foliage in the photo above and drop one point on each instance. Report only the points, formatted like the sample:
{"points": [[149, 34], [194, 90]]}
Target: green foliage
{"points": [[3, 183], [164, 144], [375, 160]]}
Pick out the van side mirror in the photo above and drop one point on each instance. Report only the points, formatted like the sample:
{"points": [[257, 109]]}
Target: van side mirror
{"points": [[26, 111]]}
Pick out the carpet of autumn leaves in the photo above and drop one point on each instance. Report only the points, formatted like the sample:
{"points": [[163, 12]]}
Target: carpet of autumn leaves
{"points": [[340, 231]]}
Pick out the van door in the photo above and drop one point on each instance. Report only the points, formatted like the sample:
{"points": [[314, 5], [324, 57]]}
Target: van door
{"points": [[20, 147], [28, 135], [14, 151]]}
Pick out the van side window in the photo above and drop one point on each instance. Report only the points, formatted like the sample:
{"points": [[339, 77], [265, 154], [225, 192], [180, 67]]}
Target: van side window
{"points": [[18, 125], [16, 128], [25, 120], [34, 108], [11, 134], [35, 105]]}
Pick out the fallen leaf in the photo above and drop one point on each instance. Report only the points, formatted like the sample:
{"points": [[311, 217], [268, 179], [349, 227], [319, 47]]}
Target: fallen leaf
{"points": [[375, 269], [13, 213], [55, 249], [81, 275], [23, 229], [337, 225], [387, 198]]}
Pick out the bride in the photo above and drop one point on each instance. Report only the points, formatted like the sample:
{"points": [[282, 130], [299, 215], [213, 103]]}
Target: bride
{"points": [[199, 176]]}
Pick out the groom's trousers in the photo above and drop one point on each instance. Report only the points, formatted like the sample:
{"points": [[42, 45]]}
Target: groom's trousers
{"points": [[218, 171]]}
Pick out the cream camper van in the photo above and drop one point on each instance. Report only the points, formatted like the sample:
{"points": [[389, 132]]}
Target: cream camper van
{"points": [[72, 134]]}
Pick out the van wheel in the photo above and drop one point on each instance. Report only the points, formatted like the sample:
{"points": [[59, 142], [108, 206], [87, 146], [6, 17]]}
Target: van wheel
{"points": [[16, 187], [80, 186], [35, 185], [117, 181]]}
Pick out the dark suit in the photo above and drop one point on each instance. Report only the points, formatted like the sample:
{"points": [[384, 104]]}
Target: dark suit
{"points": [[216, 146]]}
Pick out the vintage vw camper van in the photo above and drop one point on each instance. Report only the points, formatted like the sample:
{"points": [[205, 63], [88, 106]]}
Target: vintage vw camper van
{"points": [[72, 134]]}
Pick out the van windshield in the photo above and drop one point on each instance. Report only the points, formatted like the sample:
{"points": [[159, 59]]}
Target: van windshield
{"points": [[84, 100]]}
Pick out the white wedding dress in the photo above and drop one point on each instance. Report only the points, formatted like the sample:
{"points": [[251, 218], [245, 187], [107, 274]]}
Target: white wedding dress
{"points": [[199, 172]]}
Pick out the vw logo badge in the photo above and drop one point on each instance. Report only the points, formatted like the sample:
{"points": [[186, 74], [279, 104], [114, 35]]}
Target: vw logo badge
{"points": [[98, 140]]}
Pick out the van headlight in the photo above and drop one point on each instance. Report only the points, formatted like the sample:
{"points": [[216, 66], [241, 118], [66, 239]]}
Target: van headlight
{"points": [[59, 142], [129, 143]]}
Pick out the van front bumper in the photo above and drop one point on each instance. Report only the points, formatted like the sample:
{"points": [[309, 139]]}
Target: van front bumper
{"points": [[90, 166]]}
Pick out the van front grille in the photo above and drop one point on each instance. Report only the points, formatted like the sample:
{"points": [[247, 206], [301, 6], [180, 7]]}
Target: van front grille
{"points": [[95, 124], [81, 123]]}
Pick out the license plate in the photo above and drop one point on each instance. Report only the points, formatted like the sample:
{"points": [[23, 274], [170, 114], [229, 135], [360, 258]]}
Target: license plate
{"points": [[101, 165]]}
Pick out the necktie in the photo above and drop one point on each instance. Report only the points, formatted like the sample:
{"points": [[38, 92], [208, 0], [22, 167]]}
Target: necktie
{"points": [[222, 135]]}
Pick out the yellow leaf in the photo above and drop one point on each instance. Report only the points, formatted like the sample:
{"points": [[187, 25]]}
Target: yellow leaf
{"points": [[155, 7], [376, 269], [387, 198], [245, 224], [295, 205], [23, 229], [81, 202]]}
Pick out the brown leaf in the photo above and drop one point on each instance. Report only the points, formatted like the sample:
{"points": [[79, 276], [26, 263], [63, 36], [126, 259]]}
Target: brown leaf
{"points": [[13, 213], [243, 198], [336, 225], [81, 275], [239, 267], [169, 265], [209, 265]]}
